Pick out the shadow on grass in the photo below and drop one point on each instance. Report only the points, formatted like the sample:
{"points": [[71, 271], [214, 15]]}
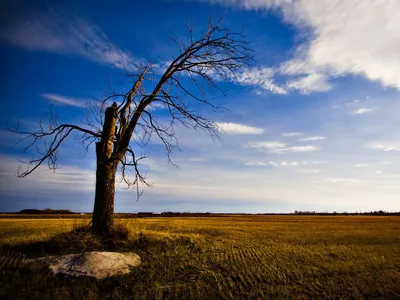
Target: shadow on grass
{"points": [[82, 239], [165, 265]]}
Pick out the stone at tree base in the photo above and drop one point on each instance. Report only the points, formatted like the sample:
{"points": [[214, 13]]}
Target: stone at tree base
{"points": [[93, 264]]}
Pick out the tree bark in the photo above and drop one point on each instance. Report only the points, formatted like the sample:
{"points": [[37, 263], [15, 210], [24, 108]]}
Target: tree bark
{"points": [[103, 212]]}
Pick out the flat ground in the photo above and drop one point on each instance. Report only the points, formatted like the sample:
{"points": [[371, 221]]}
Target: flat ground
{"points": [[239, 257]]}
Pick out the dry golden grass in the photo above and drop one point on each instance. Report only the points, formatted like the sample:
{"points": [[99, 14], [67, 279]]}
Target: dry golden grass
{"points": [[241, 257]]}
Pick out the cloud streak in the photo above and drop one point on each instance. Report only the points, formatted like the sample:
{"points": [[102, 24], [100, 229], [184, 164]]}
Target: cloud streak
{"points": [[236, 129], [310, 83], [383, 147], [64, 100], [312, 138], [261, 78], [278, 147], [55, 32], [268, 145], [296, 149], [291, 134], [362, 111], [65, 33], [281, 163]]}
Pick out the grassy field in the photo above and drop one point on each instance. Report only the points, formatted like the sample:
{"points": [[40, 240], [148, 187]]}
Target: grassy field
{"points": [[242, 257]]}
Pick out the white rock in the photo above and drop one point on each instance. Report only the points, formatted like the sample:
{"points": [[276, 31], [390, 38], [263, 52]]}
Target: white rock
{"points": [[94, 264]]}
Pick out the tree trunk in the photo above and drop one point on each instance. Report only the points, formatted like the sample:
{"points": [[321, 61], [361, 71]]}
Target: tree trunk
{"points": [[103, 213]]}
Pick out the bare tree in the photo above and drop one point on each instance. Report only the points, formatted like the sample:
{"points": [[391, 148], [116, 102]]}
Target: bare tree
{"points": [[217, 54]]}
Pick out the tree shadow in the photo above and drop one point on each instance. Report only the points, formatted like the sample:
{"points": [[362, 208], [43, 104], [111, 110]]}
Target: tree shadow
{"points": [[80, 239], [166, 262]]}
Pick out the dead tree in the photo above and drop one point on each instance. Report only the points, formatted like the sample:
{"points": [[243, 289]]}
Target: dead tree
{"points": [[216, 55]]}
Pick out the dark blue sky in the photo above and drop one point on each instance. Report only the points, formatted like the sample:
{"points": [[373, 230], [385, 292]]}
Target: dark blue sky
{"points": [[312, 126]]}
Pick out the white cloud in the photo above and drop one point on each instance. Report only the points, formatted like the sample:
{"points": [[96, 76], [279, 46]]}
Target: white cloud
{"points": [[310, 83], [290, 134], [375, 165], [66, 33], [343, 37], [234, 129], [251, 4], [67, 178], [383, 147], [312, 138], [55, 32], [274, 164], [296, 149], [268, 145], [153, 106], [260, 77], [362, 111], [278, 147], [350, 37], [280, 163], [64, 100]]}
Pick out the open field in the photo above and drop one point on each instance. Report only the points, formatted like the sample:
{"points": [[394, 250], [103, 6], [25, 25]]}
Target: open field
{"points": [[242, 257]]}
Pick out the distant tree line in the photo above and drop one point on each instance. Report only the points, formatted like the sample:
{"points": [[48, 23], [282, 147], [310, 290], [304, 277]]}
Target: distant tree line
{"points": [[46, 211], [181, 214], [370, 213], [49, 211]]}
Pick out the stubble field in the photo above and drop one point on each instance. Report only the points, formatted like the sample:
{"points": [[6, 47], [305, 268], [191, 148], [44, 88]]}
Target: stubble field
{"points": [[236, 257]]}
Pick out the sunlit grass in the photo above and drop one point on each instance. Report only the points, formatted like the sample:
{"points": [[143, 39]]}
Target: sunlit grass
{"points": [[239, 257]]}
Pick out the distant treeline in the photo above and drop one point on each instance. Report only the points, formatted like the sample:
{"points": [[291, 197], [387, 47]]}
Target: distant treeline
{"points": [[306, 213], [46, 211], [49, 211], [370, 213], [182, 214]]}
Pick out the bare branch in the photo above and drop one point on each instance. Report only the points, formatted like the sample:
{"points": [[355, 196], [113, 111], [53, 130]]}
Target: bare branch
{"points": [[184, 88], [51, 140]]}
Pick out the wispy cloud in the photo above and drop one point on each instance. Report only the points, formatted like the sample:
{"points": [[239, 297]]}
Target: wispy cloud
{"points": [[64, 100], [296, 149], [312, 138], [361, 111], [281, 163], [251, 4], [262, 78], [383, 147], [375, 165], [235, 129], [288, 164], [290, 134], [66, 33], [68, 178], [278, 147], [153, 106], [268, 145], [310, 83], [258, 164]]}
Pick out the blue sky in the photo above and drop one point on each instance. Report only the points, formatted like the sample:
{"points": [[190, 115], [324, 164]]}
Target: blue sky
{"points": [[312, 126]]}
